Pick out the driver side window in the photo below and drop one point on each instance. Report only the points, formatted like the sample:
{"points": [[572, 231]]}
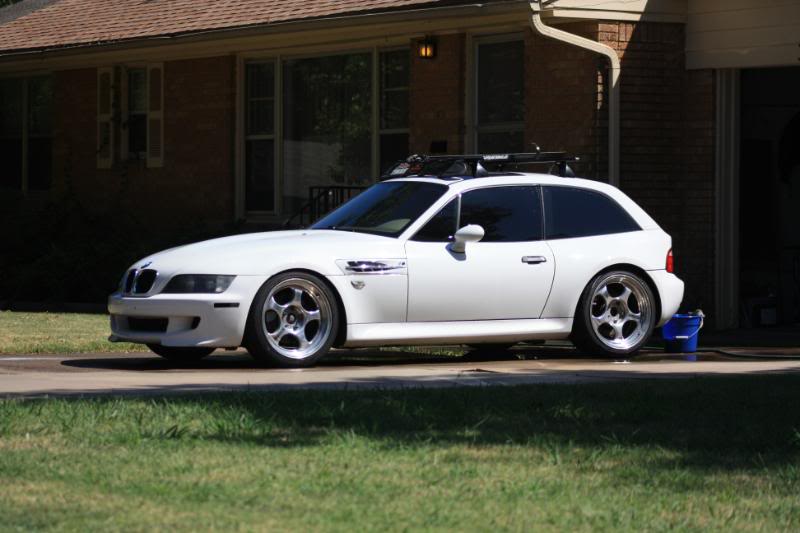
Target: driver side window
{"points": [[506, 214], [442, 226]]}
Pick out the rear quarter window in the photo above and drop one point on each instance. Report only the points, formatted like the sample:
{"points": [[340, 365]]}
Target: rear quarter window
{"points": [[574, 212]]}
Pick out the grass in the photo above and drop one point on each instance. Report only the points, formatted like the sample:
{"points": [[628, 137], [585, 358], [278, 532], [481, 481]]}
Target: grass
{"points": [[703, 454], [55, 333]]}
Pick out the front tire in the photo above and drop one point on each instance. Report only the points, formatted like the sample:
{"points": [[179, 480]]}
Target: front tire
{"points": [[616, 315], [180, 355], [293, 321]]}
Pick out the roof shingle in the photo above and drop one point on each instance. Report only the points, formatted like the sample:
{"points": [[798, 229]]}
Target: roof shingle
{"points": [[37, 24]]}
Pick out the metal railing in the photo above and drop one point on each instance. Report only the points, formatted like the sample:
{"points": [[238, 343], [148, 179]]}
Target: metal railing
{"points": [[321, 201]]}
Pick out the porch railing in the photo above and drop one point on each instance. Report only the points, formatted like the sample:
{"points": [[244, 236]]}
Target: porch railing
{"points": [[321, 201]]}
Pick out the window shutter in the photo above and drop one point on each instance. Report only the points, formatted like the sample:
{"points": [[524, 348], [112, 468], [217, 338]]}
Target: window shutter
{"points": [[105, 112], [155, 115]]}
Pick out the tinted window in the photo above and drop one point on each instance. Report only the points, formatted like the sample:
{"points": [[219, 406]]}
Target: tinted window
{"points": [[442, 226], [507, 214], [384, 209], [573, 212]]}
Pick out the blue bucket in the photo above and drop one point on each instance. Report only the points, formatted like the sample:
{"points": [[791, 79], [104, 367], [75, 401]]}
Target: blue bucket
{"points": [[681, 332]]}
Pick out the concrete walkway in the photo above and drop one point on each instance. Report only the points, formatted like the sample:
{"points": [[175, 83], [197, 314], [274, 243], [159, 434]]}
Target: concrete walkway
{"points": [[142, 374]]}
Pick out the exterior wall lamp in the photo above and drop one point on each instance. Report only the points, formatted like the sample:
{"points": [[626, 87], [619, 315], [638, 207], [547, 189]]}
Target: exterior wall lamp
{"points": [[426, 48]]}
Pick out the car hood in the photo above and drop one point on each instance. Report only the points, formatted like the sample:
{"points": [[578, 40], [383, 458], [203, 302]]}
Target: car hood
{"points": [[269, 252]]}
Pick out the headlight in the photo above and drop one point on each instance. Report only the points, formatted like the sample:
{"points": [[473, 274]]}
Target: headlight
{"points": [[198, 283]]}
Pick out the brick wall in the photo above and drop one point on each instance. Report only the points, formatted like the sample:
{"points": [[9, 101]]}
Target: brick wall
{"points": [[196, 183], [437, 96], [563, 98], [667, 145]]}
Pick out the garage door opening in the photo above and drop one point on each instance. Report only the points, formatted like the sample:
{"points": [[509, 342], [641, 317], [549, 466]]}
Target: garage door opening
{"points": [[770, 197]]}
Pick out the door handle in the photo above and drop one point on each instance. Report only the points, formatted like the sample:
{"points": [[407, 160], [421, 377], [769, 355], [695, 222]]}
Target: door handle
{"points": [[534, 259]]}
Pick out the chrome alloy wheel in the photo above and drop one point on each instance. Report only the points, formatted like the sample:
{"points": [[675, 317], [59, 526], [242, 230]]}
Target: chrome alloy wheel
{"points": [[621, 311], [296, 318]]}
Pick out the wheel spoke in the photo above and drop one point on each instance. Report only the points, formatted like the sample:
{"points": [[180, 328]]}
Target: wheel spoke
{"points": [[635, 320], [618, 330], [297, 297], [604, 294], [626, 293], [311, 315], [278, 334], [273, 305], [302, 341]]}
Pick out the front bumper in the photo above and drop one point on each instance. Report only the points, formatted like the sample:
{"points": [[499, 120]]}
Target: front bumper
{"points": [[670, 291], [185, 320]]}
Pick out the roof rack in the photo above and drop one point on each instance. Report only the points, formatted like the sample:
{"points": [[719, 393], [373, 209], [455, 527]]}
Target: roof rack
{"points": [[457, 167]]}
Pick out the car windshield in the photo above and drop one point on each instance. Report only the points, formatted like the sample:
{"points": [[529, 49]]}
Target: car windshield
{"points": [[384, 209]]}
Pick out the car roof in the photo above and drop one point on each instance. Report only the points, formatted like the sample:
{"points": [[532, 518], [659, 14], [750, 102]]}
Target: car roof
{"points": [[531, 178]]}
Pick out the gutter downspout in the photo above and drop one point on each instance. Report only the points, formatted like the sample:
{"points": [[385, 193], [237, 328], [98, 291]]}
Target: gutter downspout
{"points": [[613, 105]]}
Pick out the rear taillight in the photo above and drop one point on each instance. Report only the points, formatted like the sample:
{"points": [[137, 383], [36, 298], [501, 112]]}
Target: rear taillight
{"points": [[670, 262]]}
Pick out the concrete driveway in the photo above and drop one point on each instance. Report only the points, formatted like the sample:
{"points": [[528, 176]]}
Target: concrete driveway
{"points": [[141, 374]]}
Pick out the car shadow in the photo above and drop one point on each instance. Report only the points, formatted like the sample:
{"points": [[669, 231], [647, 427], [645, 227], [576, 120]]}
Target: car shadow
{"points": [[373, 357], [241, 360]]}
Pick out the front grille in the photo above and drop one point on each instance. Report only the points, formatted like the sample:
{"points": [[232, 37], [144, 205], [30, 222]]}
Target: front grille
{"points": [[144, 281], [129, 279], [147, 325]]}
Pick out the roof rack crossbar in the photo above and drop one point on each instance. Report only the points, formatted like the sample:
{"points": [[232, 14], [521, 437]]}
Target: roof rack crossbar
{"points": [[474, 165]]}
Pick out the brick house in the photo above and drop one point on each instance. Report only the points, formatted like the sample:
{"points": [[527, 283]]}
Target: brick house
{"points": [[245, 110]]}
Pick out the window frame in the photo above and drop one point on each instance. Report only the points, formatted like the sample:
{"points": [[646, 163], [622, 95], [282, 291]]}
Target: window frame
{"points": [[584, 189], [377, 100], [498, 127], [25, 134], [125, 103], [118, 115], [277, 131], [458, 198], [280, 57]]}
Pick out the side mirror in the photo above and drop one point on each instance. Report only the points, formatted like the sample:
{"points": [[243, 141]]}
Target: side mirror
{"points": [[471, 233]]}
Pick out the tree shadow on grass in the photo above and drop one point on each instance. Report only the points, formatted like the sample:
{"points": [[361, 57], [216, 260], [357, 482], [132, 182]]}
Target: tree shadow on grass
{"points": [[714, 422]]}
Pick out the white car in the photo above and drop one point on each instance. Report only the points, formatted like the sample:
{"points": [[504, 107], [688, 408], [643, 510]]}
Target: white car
{"points": [[458, 255]]}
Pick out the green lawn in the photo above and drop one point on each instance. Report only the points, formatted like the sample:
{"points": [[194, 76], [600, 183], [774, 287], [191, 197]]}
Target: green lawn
{"points": [[27, 333], [712, 453]]}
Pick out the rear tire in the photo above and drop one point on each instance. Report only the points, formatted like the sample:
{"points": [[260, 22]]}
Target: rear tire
{"points": [[616, 315], [294, 320], [180, 355]]}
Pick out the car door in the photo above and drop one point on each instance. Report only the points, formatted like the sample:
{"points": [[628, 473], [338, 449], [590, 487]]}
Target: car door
{"points": [[507, 275]]}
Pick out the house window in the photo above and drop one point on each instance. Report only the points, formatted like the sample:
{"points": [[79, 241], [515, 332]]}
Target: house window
{"points": [[137, 113], [334, 120], [26, 137], [260, 136], [327, 135], [130, 115], [394, 82], [500, 95]]}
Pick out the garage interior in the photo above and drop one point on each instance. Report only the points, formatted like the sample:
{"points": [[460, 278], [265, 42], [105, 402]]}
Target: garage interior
{"points": [[769, 222]]}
